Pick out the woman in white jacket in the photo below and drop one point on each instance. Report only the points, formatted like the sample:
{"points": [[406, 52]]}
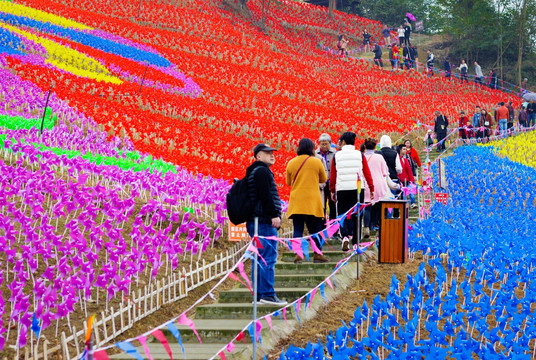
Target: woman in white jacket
{"points": [[401, 35]]}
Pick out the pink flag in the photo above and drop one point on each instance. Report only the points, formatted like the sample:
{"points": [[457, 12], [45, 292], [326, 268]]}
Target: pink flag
{"points": [[285, 314], [333, 229], [268, 319], [221, 354], [259, 328], [183, 320], [328, 281], [312, 296], [254, 250], [296, 247], [240, 266], [101, 355], [316, 250], [233, 276], [143, 342], [159, 335], [230, 347]]}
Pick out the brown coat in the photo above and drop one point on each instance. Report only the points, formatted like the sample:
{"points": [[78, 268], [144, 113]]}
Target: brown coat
{"points": [[305, 192]]}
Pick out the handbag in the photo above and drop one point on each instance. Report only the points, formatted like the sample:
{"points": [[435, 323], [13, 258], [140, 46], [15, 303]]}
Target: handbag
{"points": [[297, 172]]}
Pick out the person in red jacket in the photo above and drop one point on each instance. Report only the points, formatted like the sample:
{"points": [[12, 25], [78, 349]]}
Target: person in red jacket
{"points": [[413, 156], [462, 126], [406, 176]]}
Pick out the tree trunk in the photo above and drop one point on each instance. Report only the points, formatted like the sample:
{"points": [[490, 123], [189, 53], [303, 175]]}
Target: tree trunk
{"points": [[500, 44], [521, 29], [332, 6], [264, 12]]}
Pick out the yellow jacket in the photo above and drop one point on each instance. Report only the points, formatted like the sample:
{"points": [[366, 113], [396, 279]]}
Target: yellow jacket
{"points": [[305, 196]]}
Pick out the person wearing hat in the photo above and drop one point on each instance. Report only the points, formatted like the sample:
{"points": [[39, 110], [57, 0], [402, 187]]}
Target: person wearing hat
{"points": [[263, 190], [326, 152]]}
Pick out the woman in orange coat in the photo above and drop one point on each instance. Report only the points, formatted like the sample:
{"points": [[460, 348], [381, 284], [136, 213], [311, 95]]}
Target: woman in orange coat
{"points": [[304, 175]]}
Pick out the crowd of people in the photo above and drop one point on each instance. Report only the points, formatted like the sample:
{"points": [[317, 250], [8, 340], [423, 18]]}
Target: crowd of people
{"points": [[405, 56], [329, 179], [326, 181], [481, 124]]}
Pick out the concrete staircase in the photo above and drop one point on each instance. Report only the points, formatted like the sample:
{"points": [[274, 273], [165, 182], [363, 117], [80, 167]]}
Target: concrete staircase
{"points": [[220, 322]]}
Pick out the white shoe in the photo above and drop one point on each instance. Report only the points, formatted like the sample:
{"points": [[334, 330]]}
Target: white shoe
{"points": [[345, 244], [413, 206], [273, 300]]}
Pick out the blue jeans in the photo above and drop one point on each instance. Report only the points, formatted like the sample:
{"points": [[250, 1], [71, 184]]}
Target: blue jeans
{"points": [[503, 125], [265, 273], [532, 118]]}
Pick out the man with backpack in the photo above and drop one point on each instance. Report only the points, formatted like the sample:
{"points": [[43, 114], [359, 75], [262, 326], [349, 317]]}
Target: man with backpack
{"points": [[267, 208]]}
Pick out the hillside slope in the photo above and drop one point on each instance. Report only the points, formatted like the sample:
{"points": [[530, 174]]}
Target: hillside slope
{"points": [[214, 85]]}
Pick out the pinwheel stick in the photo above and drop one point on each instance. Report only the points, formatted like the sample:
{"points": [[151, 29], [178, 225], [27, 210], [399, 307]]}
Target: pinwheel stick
{"points": [[139, 8], [145, 73], [208, 56], [45, 111]]}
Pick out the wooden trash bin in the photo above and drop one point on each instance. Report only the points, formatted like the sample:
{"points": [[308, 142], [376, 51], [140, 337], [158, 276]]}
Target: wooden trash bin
{"points": [[393, 247]]}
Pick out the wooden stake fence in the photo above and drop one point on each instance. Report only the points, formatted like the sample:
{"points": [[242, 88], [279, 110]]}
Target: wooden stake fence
{"points": [[143, 303]]}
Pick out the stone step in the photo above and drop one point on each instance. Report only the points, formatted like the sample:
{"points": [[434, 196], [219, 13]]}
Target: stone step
{"points": [[232, 311], [191, 351], [243, 295], [298, 280], [304, 268], [218, 331], [332, 256]]}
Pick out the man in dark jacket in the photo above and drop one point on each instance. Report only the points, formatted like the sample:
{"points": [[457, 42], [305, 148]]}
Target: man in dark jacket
{"points": [[377, 55], [406, 52], [447, 68], [414, 55], [440, 128], [407, 33], [263, 190]]}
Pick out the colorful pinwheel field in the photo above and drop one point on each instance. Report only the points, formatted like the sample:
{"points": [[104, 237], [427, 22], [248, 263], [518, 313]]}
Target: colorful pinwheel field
{"points": [[150, 109], [199, 86], [82, 215]]}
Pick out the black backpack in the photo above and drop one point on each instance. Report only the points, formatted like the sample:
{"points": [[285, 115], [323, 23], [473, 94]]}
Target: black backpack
{"points": [[240, 205]]}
